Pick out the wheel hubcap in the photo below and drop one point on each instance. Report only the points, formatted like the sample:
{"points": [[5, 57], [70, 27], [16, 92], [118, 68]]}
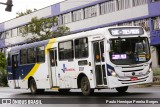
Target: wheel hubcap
{"points": [[85, 86]]}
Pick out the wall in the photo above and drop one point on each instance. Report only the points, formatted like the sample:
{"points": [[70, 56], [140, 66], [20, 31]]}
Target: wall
{"points": [[68, 4], [27, 18], [154, 10], [118, 16]]}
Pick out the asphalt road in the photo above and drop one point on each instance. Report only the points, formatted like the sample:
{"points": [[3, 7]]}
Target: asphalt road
{"points": [[76, 99]]}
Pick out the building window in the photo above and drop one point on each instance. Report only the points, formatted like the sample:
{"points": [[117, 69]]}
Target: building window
{"points": [[3, 50], [40, 54], [107, 7], [155, 0], [66, 50], [156, 23], [59, 20], [31, 55], [123, 4], [2, 35], [14, 32], [22, 31], [23, 56], [125, 24], [81, 48], [8, 34], [143, 23], [139, 2], [66, 18], [90, 12], [77, 15]]}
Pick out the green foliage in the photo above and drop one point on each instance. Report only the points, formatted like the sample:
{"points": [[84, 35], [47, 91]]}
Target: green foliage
{"points": [[3, 77], [3, 74], [28, 11], [2, 60], [156, 71], [42, 29]]}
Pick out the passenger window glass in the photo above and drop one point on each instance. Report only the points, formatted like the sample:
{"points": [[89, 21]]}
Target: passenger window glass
{"points": [[66, 50], [31, 55], [23, 56], [81, 48], [40, 54]]}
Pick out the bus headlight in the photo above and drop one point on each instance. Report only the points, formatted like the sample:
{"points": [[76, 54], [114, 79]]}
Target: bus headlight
{"points": [[113, 73], [150, 70]]}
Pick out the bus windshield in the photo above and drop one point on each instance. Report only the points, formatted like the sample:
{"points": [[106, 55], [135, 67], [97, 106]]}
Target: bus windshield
{"points": [[126, 51]]}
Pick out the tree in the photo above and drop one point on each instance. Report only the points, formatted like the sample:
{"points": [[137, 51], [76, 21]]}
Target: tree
{"points": [[3, 74], [2, 60], [42, 29], [28, 11]]}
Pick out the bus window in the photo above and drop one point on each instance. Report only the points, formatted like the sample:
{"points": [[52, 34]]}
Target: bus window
{"points": [[81, 48], [66, 50], [31, 55], [40, 54], [23, 56], [9, 60], [129, 50]]}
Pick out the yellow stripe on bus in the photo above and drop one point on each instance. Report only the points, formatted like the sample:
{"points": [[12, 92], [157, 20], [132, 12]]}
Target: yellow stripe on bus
{"points": [[32, 72], [55, 88], [50, 44]]}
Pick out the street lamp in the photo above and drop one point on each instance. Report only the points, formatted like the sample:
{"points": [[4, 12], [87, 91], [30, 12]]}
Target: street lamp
{"points": [[9, 5]]}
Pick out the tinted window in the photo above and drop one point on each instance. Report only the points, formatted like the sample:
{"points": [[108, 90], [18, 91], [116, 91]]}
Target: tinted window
{"points": [[66, 50], [40, 54], [23, 56], [81, 48], [31, 55]]}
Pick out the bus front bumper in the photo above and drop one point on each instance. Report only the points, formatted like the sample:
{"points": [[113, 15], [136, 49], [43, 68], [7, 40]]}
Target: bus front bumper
{"points": [[114, 82]]}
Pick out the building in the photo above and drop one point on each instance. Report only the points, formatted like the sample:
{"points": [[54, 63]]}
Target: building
{"points": [[91, 14]]}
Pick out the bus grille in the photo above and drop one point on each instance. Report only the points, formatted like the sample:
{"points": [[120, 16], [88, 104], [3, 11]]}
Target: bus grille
{"points": [[129, 81], [132, 68]]}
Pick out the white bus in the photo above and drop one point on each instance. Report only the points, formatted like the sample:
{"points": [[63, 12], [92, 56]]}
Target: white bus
{"points": [[114, 57]]}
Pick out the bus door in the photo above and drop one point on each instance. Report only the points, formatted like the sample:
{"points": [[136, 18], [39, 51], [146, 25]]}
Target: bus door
{"points": [[15, 70], [53, 65], [99, 61]]}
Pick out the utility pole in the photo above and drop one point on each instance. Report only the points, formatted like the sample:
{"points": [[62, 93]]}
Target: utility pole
{"points": [[9, 5]]}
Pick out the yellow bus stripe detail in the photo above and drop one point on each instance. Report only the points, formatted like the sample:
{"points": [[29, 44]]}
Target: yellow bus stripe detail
{"points": [[50, 44], [32, 72], [55, 88]]}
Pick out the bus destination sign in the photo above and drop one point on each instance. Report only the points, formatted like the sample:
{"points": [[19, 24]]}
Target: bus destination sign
{"points": [[126, 31]]}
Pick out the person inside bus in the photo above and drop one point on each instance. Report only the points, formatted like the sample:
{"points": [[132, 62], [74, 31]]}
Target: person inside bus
{"points": [[128, 51]]}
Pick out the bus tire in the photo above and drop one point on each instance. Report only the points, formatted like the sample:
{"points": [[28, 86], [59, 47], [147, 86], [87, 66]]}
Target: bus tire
{"points": [[85, 86], [33, 87], [63, 90], [122, 89]]}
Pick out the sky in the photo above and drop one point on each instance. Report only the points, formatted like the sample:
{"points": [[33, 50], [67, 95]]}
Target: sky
{"points": [[21, 6]]}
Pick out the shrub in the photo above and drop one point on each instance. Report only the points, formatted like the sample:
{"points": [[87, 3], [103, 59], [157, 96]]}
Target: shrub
{"points": [[3, 73], [3, 77]]}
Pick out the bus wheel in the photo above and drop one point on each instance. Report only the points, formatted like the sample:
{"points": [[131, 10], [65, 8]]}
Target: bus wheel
{"points": [[33, 87], [64, 90], [122, 89], [85, 86]]}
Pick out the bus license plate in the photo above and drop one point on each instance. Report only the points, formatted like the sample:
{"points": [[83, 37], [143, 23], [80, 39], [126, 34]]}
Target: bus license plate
{"points": [[134, 78]]}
